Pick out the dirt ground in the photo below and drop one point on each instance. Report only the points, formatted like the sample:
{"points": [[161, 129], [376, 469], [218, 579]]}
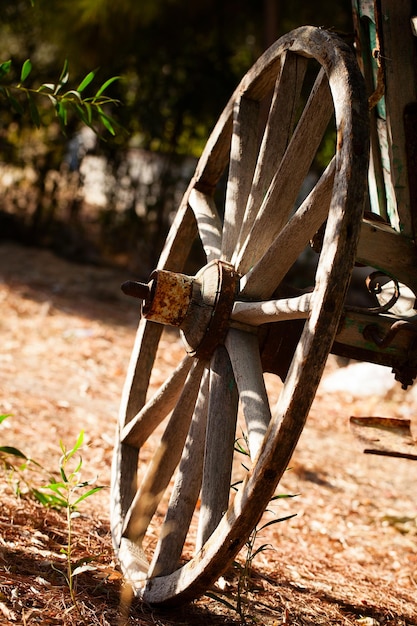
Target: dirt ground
{"points": [[349, 556]]}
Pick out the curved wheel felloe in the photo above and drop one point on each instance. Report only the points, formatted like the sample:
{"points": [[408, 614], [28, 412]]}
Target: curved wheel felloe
{"points": [[176, 522]]}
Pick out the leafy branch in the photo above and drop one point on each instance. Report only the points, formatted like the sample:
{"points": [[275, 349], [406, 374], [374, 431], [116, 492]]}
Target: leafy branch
{"points": [[90, 110]]}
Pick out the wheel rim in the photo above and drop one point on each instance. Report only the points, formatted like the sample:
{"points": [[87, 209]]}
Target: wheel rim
{"points": [[262, 250]]}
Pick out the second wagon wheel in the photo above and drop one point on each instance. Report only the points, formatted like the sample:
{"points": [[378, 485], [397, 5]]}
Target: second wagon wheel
{"points": [[176, 521]]}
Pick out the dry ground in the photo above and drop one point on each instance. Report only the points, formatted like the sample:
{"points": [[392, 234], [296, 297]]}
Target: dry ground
{"points": [[349, 556]]}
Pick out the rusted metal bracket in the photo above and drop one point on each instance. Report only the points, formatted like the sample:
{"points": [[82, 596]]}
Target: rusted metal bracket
{"points": [[406, 372]]}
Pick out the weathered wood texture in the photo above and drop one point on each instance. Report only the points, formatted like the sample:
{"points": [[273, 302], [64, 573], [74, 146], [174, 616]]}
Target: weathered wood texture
{"points": [[263, 238]]}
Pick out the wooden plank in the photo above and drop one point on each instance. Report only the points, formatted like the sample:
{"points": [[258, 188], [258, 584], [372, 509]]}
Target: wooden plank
{"points": [[383, 248], [243, 157], [243, 349], [399, 59], [262, 280], [208, 223], [386, 436], [164, 460], [185, 492], [136, 432], [282, 193], [220, 438], [276, 136]]}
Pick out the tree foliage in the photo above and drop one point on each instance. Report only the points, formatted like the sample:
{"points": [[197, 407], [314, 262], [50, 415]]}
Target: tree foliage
{"points": [[180, 60], [63, 99]]}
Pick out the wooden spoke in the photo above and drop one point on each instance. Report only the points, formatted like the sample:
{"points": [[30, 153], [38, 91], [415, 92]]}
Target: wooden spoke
{"points": [[208, 222], [282, 193], [243, 349], [157, 408], [258, 313], [243, 158], [220, 438], [185, 492], [165, 460], [266, 275], [277, 135]]}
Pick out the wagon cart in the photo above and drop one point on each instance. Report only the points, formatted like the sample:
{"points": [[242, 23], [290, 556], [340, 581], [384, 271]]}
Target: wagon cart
{"points": [[271, 294]]}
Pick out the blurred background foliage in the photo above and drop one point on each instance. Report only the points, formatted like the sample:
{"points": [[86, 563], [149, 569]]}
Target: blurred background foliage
{"points": [[179, 62]]}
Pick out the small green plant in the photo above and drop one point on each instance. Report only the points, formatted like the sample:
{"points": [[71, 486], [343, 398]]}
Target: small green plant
{"points": [[252, 550], [65, 493], [68, 493]]}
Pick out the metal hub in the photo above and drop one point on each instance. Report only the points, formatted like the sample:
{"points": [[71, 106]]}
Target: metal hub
{"points": [[200, 306]]}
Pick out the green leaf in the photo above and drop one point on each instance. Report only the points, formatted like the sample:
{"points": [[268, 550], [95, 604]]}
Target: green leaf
{"points": [[262, 548], [78, 444], [26, 70], [4, 417], [62, 113], [214, 596], [106, 121], [105, 85], [83, 568], [34, 113], [86, 81], [5, 68], [49, 499], [81, 114], [282, 496], [44, 86], [72, 92], [16, 105], [64, 76], [13, 451], [87, 495], [89, 111]]}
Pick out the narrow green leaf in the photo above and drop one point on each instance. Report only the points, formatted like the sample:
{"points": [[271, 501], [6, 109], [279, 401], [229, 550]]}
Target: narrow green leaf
{"points": [[4, 417], [214, 596], [34, 113], [46, 86], [107, 122], [105, 85], [72, 92], [26, 70], [64, 76], [86, 81], [81, 114], [262, 548], [16, 105], [87, 495], [13, 451], [63, 474], [89, 111], [83, 568], [283, 496], [78, 468], [79, 443], [41, 497], [5, 68], [56, 487]]}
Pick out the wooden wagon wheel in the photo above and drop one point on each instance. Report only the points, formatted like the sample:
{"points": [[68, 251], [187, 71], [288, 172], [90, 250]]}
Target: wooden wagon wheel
{"points": [[266, 140]]}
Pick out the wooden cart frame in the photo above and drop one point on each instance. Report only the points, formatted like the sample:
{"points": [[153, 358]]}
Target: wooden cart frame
{"points": [[250, 308]]}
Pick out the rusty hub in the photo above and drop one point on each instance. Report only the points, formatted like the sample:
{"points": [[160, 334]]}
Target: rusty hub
{"points": [[200, 305]]}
